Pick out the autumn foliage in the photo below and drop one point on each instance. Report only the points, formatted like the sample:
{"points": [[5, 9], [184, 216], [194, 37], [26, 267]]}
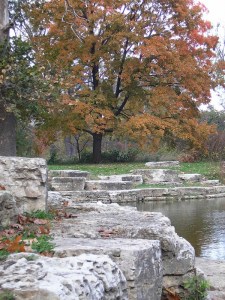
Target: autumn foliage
{"points": [[138, 69]]}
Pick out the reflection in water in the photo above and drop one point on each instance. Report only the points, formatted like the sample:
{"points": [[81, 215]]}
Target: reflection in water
{"points": [[201, 222]]}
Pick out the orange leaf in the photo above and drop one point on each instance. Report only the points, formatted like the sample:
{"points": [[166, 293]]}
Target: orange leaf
{"points": [[16, 245], [172, 295], [44, 230]]}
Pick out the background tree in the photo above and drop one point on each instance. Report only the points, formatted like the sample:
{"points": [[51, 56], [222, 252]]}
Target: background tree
{"points": [[7, 119], [23, 85], [134, 69]]}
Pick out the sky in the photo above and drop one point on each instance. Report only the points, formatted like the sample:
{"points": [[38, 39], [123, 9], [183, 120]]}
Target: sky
{"points": [[216, 10], [216, 14]]}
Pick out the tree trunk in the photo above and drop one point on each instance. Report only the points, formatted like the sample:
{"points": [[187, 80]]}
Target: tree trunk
{"points": [[97, 148], [7, 133], [4, 20], [7, 120]]}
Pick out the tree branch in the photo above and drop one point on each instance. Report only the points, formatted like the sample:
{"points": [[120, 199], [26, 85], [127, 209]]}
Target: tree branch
{"points": [[118, 83], [122, 105]]}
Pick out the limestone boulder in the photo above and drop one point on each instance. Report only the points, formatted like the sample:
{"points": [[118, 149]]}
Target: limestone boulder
{"points": [[139, 260], [191, 177], [26, 179], [162, 164], [67, 183], [155, 176], [68, 173], [126, 222], [87, 276], [56, 200], [8, 208], [107, 185], [135, 179]]}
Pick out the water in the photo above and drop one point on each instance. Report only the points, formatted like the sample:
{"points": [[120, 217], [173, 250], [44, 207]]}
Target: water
{"points": [[201, 222]]}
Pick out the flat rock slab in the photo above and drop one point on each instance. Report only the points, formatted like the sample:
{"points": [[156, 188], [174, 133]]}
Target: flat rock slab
{"points": [[67, 183], [139, 260], [127, 222], [87, 276], [135, 195], [68, 173], [162, 164], [191, 177], [136, 179], [91, 185], [214, 271], [153, 176]]}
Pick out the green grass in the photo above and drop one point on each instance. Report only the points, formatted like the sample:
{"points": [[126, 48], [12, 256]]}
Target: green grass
{"points": [[209, 169], [102, 169], [43, 244], [40, 214]]}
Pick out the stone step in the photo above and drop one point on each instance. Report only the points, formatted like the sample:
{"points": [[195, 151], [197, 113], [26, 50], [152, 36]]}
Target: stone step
{"points": [[191, 177], [153, 176], [214, 182], [162, 164], [139, 260], [67, 183], [136, 195], [68, 173], [136, 179], [91, 185], [85, 276]]}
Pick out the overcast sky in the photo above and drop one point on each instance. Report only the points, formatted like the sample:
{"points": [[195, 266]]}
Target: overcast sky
{"points": [[216, 10], [216, 14]]}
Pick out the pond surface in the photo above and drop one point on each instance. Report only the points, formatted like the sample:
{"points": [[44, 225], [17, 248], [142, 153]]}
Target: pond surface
{"points": [[201, 222]]}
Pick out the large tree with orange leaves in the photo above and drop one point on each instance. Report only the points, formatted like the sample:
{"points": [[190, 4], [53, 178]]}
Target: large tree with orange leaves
{"points": [[135, 68]]}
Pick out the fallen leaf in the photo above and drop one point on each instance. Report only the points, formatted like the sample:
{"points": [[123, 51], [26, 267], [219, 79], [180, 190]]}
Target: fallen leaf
{"points": [[171, 295], [17, 226], [40, 221], [16, 245], [44, 230]]}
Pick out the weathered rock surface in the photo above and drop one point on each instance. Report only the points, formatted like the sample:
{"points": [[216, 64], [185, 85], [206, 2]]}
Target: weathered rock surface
{"points": [[85, 277], [126, 222], [214, 271], [162, 164], [68, 173], [26, 180], [67, 183], [191, 177], [136, 179], [139, 260], [152, 176], [137, 195], [91, 185], [8, 208]]}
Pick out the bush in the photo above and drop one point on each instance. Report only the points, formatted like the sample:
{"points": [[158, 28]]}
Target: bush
{"points": [[197, 288], [112, 156]]}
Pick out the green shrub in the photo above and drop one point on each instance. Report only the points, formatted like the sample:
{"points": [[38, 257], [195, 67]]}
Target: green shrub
{"points": [[40, 214], [6, 295], [196, 287], [43, 244], [3, 255]]}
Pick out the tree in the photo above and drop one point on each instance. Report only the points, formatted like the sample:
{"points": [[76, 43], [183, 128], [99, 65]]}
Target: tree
{"points": [[22, 83], [132, 68], [7, 119]]}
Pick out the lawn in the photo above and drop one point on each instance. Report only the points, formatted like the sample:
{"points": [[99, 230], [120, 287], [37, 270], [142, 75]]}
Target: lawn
{"points": [[210, 169]]}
